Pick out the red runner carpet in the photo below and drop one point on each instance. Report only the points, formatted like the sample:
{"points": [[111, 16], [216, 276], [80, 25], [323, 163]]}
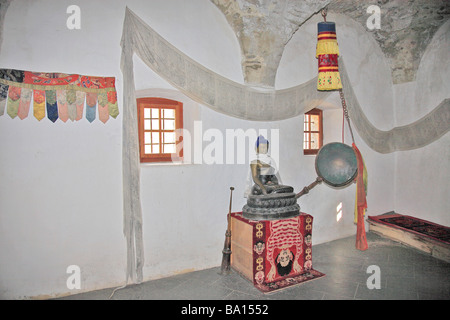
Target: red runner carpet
{"points": [[418, 226]]}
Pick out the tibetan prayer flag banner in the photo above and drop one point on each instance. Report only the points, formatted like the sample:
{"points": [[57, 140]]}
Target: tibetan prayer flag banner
{"points": [[57, 95]]}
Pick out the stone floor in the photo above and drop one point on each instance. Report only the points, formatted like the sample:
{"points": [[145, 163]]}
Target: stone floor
{"points": [[405, 274]]}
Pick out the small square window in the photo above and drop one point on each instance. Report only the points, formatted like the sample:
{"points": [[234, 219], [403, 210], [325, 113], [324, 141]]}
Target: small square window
{"points": [[159, 120], [312, 131]]}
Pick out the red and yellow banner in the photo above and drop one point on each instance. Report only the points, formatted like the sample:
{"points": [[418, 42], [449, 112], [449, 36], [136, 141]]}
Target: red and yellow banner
{"points": [[327, 53]]}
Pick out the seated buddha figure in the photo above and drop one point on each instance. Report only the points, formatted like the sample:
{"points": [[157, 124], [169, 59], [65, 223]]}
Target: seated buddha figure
{"points": [[264, 172]]}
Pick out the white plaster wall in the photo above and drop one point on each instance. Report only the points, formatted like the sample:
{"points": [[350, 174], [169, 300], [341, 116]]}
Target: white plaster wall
{"points": [[60, 183], [64, 206], [422, 175]]}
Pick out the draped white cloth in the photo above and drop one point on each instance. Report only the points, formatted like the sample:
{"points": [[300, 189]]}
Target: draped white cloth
{"points": [[415, 135], [237, 100], [4, 4]]}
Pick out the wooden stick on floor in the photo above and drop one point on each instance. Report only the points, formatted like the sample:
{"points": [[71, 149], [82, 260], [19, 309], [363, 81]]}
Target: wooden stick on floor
{"points": [[225, 268]]}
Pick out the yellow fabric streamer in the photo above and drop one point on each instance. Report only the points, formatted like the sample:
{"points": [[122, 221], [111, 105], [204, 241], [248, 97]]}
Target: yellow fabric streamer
{"points": [[39, 104], [39, 110]]}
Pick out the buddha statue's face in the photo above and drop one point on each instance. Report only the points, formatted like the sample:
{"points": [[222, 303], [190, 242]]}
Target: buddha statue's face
{"points": [[262, 148]]}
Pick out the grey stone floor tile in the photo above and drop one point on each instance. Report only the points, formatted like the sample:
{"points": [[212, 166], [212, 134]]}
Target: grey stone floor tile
{"points": [[334, 296], [405, 274], [299, 292], [194, 290], [385, 293], [239, 295]]}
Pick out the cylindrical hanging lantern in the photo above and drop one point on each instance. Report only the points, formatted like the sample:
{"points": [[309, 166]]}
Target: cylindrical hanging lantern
{"points": [[327, 53]]}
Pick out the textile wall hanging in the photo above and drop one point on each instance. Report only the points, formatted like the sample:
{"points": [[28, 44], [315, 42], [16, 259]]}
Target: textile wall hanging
{"points": [[327, 53], [57, 95]]}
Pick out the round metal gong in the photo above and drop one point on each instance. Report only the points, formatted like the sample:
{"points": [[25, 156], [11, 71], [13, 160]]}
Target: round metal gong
{"points": [[336, 164]]}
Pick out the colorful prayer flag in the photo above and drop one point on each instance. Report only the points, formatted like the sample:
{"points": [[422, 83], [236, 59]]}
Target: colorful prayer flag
{"points": [[62, 95]]}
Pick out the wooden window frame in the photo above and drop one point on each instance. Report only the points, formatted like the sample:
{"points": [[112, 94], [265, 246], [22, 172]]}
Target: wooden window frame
{"points": [[160, 103], [309, 151]]}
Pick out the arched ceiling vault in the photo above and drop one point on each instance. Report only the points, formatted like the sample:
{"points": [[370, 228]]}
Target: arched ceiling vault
{"points": [[263, 27]]}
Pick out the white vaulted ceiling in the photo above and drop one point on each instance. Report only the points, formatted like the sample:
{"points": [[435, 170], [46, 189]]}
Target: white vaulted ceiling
{"points": [[264, 27]]}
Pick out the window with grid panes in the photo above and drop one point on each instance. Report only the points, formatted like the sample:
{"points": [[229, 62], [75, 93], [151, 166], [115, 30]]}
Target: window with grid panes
{"points": [[159, 120], [312, 131]]}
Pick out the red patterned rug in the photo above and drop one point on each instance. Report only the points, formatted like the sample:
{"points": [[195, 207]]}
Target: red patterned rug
{"points": [[281, 251], [411, 224], [290, 281]]}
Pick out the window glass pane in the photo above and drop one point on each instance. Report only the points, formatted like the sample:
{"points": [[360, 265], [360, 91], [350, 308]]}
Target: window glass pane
{"points": [[169, 148], [306, 123], [155, 137], [146, 124], [148, 148], [155, 113], [169, 137], [314, 122], [147, 138], [147, 113], [156, 148], [305, 141], [169, 124], [314, 141], [169, 113], [155, 124]]}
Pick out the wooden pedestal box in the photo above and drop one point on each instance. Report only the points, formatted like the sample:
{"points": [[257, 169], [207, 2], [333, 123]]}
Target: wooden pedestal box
{"points": [[266, 252]]}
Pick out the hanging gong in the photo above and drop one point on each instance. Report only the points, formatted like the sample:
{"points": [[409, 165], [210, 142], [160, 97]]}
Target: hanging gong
{"points": [[336, 164]]}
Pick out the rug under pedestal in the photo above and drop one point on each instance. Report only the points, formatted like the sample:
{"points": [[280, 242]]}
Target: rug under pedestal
{"points": [[289, 281]]}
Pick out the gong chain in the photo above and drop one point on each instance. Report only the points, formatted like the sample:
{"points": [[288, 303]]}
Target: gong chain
{"points": [[324, 14], [344, 106]]}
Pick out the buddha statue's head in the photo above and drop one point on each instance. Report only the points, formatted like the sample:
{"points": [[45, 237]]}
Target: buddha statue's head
{"points": [[262, 145]]}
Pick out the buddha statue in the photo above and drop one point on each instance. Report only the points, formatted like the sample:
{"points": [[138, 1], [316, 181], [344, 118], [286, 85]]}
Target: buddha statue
{"points": [[264, 171], [267, 197]]}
